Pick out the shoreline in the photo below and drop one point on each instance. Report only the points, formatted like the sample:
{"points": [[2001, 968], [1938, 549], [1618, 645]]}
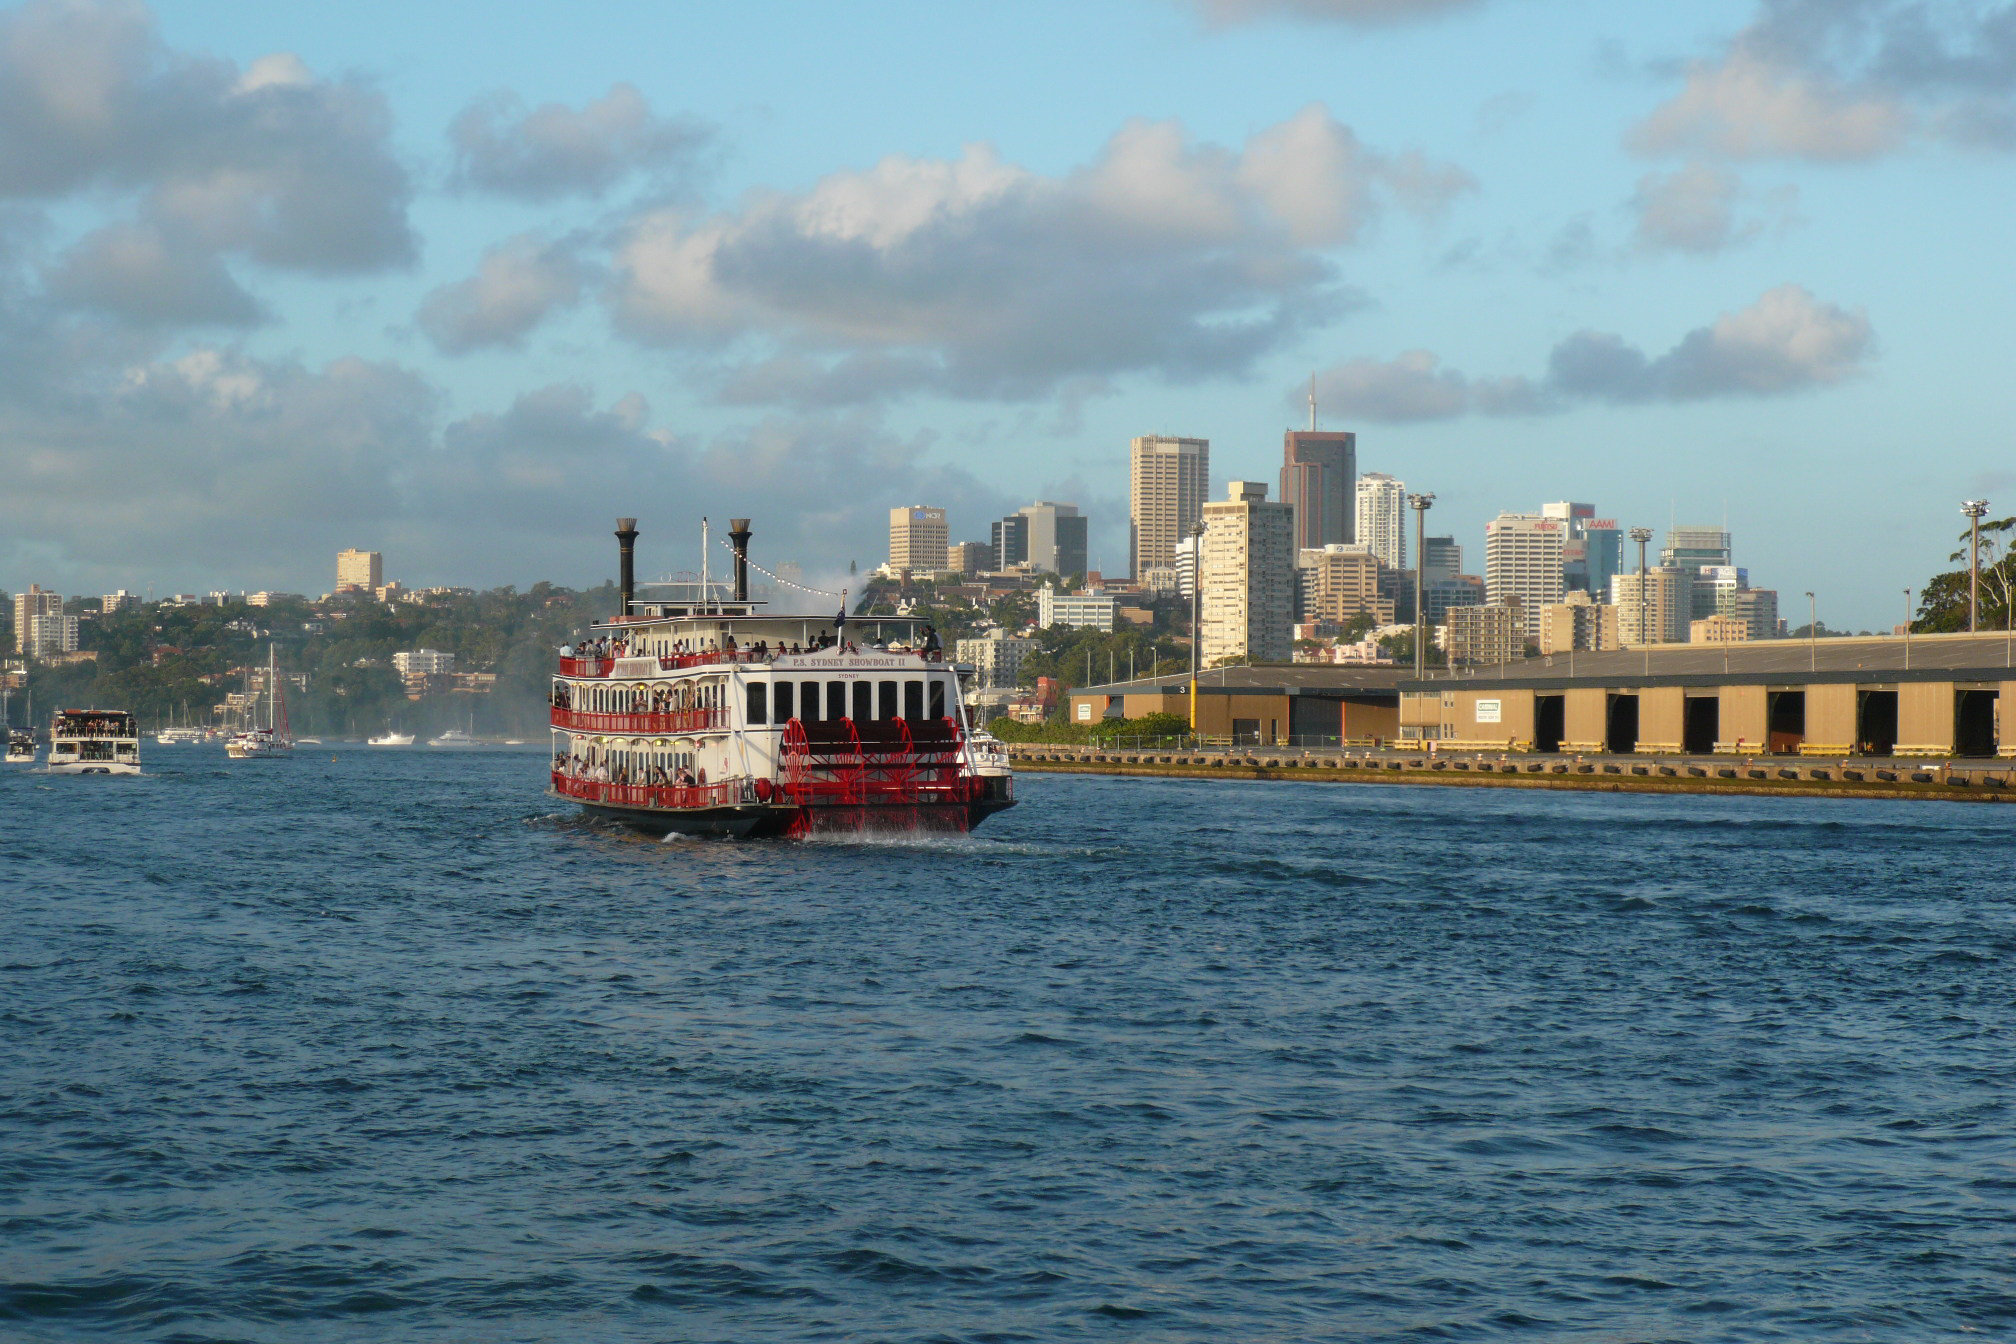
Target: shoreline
{"points": [[1774, 778]]}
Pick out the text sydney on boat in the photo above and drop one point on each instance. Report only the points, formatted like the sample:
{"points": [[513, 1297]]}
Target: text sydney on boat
{"points": [[702, 713]]}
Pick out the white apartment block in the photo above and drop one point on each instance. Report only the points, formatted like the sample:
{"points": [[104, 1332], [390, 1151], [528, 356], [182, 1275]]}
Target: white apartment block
{"points": [[1248, 577], [423, 663], [1522, 562], [1382, 518], [27, 606], [359, 569], [996, 658], [50, 635], [114, 603], [1076, 611], [918, 540], [1169, 478], [1653, 607]]}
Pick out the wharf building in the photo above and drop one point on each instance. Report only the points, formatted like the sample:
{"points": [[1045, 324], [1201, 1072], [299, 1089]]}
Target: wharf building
{"points": [[1168, 480], [1301, 704], [918, 539], [1925, 695], [1382, 518], [1248, 576], [1319, 470]]}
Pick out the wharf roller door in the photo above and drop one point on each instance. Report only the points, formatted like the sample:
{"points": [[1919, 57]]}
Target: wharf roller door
{"points": [[1311, 716]]}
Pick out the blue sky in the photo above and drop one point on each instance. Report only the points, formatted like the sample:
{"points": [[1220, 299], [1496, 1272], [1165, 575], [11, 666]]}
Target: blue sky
{"points": [[461, 282]]}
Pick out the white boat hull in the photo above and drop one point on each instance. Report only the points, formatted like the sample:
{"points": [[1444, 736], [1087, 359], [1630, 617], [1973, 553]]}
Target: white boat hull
{"points": [[94, 768]]}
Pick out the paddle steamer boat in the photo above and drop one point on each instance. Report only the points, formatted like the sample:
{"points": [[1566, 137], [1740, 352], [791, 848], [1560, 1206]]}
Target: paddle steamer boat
{"points": [[708, 715]]}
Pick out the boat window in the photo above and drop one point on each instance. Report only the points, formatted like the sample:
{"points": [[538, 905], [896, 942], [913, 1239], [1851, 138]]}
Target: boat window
{"points": [[913, 701], [864, 701], [885, 700], [836, 699], [937, 698], [759, 708], [783, 705], [808, 707]]}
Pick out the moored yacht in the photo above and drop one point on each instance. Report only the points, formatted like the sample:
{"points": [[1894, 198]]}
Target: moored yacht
{"points": [[454, 737], [271, 739], [703, 714], [20, 747], [94, 742]]}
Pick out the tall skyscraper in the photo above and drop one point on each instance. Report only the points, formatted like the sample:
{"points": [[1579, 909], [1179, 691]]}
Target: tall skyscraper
{"points": [[1523, 560], [1170, 477], [1382, 518], [1694, 549], [27, 606], [1011, 541], [1248, 576], [1319, 470], [917, 539], [1441, 558], [359, 569], [1052, 537], [1652, 607]]}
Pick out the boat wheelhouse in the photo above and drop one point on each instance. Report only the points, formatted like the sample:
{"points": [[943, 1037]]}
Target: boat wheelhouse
{"points": [[94, 742], [706, 714]]}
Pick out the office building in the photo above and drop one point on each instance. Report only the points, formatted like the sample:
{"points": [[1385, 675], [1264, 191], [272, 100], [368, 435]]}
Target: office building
{"points": [[1441, 558], [1338, 584], [1694, 549], [969, 557], [1319, 471], [1077, 611], [1492, 633], [1050, 538], [1718, 630], [1652, 607], [1523, 560], [1010, 542], [1248, 576], [1440, 595], [1382, 518], [27, 606], [917, 539], [359, 571], [1169, 478], [1592, 548], [113, 603], [50, 634], [1757, 609], [996, 658], [1578, 622]]}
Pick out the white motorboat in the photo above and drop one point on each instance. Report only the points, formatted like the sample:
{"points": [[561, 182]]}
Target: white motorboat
{"points": [[20, 747], [388, 738], [454, 737], [94, 742]]}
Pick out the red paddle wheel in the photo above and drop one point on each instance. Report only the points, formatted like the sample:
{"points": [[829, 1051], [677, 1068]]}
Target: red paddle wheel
{"points": [[881, 774]]}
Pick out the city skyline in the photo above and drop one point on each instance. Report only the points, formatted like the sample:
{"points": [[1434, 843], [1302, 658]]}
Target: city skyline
{"points": [[427, 292]]}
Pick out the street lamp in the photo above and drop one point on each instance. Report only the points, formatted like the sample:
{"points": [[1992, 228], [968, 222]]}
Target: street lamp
{"points": [[1420, 504], [1907, 629], [1976, 510], [1812, 634]]}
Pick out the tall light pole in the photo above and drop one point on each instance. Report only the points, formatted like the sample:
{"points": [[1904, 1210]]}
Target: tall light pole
{"points": [[1642, 535], [1907, 629], [1812, 634], [1420, 504], [1196, 614], [1976, 510]]}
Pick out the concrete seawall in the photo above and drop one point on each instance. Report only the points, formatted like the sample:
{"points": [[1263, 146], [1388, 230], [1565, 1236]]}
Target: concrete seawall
{"points": [[1979, 782]]}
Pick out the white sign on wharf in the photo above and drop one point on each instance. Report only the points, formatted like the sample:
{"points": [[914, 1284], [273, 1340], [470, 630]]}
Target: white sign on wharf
{"points": [[1490, 711]]}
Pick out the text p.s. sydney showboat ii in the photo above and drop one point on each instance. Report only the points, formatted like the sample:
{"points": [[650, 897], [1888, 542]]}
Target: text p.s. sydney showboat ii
{"points": [[703, 713]]}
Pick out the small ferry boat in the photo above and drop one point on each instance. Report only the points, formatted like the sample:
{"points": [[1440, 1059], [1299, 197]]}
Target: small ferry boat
{"points": [[388, 738], [271, 739], [701, 713], [94, 742], [20, 747], [454, 737]]}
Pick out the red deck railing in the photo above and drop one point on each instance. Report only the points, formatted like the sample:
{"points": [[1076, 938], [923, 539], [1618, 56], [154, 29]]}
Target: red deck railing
{"points": [[668, 797], [672, 721], [673, 662]]}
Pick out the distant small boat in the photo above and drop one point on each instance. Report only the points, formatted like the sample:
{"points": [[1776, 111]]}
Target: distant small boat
{"points": [[307, 741], [392, 739], [454, 737], [20, 747]]}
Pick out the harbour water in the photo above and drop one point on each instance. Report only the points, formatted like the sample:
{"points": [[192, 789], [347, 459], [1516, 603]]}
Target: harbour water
{"points": [[384, 1045]]}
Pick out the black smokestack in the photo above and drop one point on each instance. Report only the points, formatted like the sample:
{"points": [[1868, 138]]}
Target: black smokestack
{"points": [[738, 536], [626, 561]]}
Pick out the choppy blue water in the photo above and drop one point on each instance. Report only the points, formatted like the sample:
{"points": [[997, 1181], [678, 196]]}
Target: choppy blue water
{"points": [[389, 1047]]}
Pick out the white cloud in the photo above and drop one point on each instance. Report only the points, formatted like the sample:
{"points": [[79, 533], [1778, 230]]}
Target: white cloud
{"points": [[1693, 209], [1746, 106], [554, 150], [978, 277], [1785, 343], [516, 285]]}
